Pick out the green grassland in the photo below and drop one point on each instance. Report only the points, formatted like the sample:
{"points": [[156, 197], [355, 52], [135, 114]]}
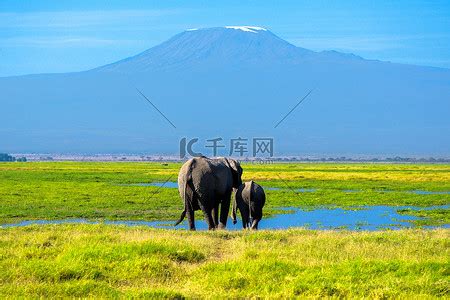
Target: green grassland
{"points": [[118, 261], [98, 260], [98, 190]]}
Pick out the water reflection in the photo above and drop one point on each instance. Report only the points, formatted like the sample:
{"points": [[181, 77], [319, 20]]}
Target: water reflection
{"points": [[356, 218]]}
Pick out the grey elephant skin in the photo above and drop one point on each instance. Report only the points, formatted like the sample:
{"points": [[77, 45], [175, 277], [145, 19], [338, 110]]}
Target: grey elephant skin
{"points": [[207, 184], [250, 199]]}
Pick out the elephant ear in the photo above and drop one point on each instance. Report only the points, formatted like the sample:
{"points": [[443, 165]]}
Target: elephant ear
{"points": [[236, 170]]}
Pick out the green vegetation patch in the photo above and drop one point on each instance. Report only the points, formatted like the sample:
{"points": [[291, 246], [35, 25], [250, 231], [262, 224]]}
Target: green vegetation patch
{"points": [[431, 217], [119, 261], [102, 190]]}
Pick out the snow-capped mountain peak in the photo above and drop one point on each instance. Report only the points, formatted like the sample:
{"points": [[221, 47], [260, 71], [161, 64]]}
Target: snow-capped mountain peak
{"points": [[213, 47], [253, 29]]}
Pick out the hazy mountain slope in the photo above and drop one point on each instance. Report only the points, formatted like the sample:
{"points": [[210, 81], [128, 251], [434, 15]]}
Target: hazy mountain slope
{"points": [[230, 82], [217, 46]]}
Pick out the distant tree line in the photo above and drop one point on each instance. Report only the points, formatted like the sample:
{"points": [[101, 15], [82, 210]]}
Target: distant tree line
{"points": [[350, 159], [7, 157]]}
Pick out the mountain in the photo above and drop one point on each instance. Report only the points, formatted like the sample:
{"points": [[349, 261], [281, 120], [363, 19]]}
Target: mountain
{"points": [[218, 47], [230, 82]]}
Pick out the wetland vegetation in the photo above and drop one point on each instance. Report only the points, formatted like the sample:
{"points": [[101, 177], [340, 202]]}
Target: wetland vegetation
{"points": [[113, 190], [120, 261], [105, 260]]}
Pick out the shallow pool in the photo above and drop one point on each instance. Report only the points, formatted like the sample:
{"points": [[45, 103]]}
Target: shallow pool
{"points": [[355, 218], [168, 184], [173, 184]]}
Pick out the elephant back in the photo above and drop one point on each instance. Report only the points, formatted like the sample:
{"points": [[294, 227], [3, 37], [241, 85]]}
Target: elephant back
{"points": [[250, 191], [257, 193]]}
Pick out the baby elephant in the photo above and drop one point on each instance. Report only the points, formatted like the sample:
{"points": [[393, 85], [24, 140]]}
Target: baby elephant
{"points": [[250, 199]]}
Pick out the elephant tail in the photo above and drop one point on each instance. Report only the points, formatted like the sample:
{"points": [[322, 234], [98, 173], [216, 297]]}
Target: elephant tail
{"points": [[183, 214], [252, 192], [251, 197], [187, 197]]}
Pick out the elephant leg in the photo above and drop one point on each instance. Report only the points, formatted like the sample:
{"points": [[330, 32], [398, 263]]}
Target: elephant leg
{"points": [[243, 208], [215, 214], [190, 215], [225, 210], [207, 213], [255, 224], [209, 220], [244, 220]]}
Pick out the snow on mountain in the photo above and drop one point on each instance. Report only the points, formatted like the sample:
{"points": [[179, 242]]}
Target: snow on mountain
{"points": [[253, 29]]}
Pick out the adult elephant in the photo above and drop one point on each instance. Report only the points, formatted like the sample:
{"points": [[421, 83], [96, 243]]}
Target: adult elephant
{"points": [[207, 184]]}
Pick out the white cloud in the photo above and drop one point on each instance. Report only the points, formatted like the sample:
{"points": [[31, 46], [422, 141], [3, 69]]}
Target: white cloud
{"points": [[360, 43], [94, 28], [67, 19], [64, 41]]}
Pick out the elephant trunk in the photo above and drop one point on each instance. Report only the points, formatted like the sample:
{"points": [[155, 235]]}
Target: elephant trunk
{"points": [[233, 209], [251, 195]]}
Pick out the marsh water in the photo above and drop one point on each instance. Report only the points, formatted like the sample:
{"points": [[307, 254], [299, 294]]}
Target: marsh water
{"points": [[167, 184], [354, 218], [172, 184], [370, 218]]}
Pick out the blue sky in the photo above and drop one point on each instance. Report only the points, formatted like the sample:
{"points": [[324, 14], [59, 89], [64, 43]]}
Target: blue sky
{"points": [[63, 36]]}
